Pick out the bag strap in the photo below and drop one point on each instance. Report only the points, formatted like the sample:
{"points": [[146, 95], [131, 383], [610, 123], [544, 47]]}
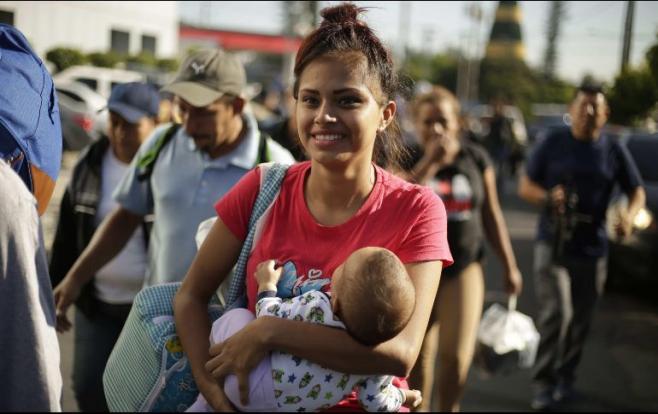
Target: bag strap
{"points": [[269, 189], [146, 162]]}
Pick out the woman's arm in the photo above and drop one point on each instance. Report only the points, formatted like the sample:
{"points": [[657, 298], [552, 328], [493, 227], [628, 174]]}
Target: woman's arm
{"points": [[496, 231], [214, 260], [329, 347]]}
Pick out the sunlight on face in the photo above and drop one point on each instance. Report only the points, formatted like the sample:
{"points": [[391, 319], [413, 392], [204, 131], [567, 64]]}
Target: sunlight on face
{"points": [[338, 114]]}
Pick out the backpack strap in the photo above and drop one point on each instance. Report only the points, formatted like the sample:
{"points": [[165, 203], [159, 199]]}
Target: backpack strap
{"points": [[263, 149], [146, 162], [269, 190]]}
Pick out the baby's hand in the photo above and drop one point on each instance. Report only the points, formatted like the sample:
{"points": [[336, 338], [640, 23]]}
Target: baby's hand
{"points": [[413, 398], [267, 276]]}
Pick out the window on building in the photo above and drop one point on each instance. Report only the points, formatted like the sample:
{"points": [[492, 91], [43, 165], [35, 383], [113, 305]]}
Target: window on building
{"points": [[7, 17], [120, 42], [148, 44]]}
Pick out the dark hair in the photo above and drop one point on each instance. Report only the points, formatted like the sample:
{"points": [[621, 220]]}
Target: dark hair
{"points": [[383, 279], [342, 32]]}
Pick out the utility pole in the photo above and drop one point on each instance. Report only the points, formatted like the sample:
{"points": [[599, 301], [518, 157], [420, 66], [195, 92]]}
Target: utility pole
{"points": [[404, 22], [628, 34], [552, 33]]}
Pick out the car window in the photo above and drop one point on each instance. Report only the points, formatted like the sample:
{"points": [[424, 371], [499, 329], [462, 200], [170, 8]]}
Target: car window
{"points": [[92, 83], [643, 149], [71, 95]]}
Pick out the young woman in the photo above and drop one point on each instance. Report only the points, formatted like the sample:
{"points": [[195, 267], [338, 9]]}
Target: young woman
{"points": [[339, 201], [461, 173]]}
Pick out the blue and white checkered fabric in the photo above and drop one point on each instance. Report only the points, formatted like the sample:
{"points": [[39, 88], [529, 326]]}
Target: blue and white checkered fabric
{"points": [[147, 370]]}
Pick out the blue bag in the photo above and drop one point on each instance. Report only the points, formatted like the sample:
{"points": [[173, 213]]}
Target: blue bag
{"points": [[30, 129], [148, 370]]}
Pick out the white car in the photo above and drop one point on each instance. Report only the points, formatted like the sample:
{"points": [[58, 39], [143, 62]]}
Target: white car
{"points": [[101, 80], [83, 113]]}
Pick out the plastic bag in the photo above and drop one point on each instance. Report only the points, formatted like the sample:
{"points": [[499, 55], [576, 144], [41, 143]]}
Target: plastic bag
{"points": [[507, 340]]}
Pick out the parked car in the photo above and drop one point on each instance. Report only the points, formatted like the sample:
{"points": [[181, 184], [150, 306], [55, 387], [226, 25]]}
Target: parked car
{"points": [[546, 116], [633, 262], [83, 113], [101, 80]]}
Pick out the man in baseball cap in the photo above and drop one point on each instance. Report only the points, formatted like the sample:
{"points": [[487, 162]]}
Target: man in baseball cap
{"points": [[208, 75], [179, 173]]}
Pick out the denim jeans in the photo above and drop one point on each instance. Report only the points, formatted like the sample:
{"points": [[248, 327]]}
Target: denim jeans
{"points": [[94, 339]]}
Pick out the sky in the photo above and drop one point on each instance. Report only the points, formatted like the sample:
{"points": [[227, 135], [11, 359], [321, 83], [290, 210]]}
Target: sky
{"points": [[590, 39]]}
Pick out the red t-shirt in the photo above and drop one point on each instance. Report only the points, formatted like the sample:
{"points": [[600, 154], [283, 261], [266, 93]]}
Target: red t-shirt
{"points": [[407, 219]]}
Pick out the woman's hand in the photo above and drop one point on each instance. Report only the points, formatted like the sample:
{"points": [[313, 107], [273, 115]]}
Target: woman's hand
{"points": [[513, 281], [239, 355]]}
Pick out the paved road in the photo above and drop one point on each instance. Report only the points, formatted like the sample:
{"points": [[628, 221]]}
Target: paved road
{"points": [[619, 370]]}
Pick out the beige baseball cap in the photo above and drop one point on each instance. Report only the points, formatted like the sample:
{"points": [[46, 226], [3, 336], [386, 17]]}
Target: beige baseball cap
{"points": [[206, 75]]}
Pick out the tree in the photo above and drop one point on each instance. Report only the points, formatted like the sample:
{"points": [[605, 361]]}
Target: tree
{"points": [[64, 57], [552, 33], [652, 60], [439, 69], [633, 96], [104, 59]]}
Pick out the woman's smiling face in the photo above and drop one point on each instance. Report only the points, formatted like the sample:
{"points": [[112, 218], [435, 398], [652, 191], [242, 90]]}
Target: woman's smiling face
{"points": [[339, 111]]}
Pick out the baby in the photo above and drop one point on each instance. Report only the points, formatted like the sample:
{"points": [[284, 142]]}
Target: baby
{"points": [[372, 297]]}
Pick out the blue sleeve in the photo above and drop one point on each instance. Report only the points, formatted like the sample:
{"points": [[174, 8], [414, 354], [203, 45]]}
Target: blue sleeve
{"points": [[536, 164], [628, 176]]}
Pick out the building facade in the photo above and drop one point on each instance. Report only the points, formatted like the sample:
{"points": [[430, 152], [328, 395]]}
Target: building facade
{"points": [[96, 26]]}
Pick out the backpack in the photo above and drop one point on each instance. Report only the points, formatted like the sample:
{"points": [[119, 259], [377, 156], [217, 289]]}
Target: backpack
{"points": [[147, 369], [30, 129], [146, 163]]}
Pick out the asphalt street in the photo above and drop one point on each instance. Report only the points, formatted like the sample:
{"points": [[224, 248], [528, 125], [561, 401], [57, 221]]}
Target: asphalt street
{"points": [[619, 369]]}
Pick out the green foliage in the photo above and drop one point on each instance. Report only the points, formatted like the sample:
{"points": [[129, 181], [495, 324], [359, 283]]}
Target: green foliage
{"points": [[439, 69], [632, 96], [508, 79], [104, 59], [64, 57], [652, 60], [145, 59], [167, 65]]}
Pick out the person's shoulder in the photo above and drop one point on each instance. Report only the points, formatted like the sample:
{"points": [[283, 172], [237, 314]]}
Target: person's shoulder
{"points": [[405, 192], [278, 152], [11, 183], [557, 134]]}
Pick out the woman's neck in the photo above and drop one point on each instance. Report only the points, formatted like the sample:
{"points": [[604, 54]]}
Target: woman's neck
{"points": [[333, 196]]}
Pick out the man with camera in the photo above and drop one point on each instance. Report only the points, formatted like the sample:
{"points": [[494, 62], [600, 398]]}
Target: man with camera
{"points": [[572, 173]]}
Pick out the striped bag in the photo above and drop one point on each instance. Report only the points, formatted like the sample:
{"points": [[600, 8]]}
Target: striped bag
{"points": [[147, 369]]}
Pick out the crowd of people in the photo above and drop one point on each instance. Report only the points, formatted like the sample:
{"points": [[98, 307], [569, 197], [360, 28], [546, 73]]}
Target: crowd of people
{"points": [[383, 236]]}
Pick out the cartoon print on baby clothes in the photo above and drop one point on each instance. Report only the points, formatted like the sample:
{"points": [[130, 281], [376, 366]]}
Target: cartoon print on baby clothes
{"points": [[274, 309], [292, 284], [315, 392], [292, 399], [277, 393], [343, 381], [316, 315], [277, 375], [306, 379]]}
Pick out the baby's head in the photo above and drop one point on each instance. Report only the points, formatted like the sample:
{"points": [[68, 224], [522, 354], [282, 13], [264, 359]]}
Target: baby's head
{"points": [[373, 295]]}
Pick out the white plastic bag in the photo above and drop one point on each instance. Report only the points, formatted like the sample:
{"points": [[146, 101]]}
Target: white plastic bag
{"points": [[507, 339]]}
